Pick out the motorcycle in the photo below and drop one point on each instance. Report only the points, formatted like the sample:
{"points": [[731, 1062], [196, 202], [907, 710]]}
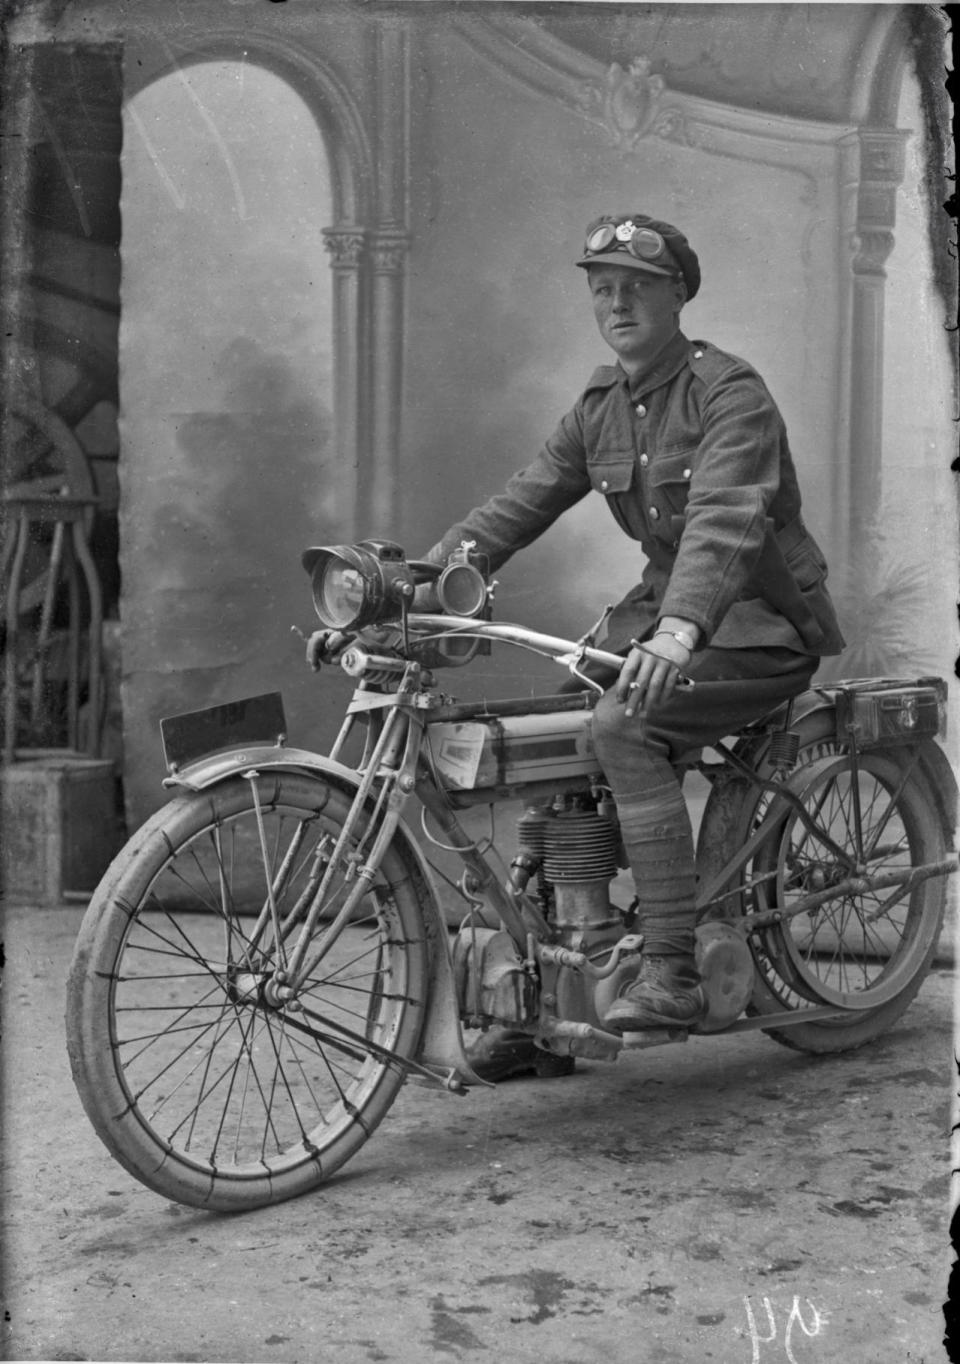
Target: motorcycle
{"points": [[267, 960]]}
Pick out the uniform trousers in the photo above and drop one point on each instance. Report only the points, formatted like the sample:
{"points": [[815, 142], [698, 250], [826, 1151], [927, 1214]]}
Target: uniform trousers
{"points": [[734, 687]]}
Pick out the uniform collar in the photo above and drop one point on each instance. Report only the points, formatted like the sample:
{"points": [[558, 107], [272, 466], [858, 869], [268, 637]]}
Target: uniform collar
{"points": [[669, 362]]}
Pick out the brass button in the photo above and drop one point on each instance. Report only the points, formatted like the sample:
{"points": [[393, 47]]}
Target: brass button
{"points": [[641, 410], [604, 485], [655, 513], [644, 460], [698, 355], [687, 473]]}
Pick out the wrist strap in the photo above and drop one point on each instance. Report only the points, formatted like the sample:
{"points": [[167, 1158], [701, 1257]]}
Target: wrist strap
{"points": [[680, 636]]}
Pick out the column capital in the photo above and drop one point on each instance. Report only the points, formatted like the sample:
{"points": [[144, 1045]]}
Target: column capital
{"points": [[871, 248], [876, 163], [388, 251], [345, 246]]}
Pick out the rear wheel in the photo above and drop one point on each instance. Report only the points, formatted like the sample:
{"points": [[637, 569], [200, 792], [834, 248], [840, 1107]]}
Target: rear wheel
{"points": [[200, 1081], [865, 951]]}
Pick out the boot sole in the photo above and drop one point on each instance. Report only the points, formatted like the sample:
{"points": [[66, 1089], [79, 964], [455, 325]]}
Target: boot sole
{"points": [[632, 1019]]}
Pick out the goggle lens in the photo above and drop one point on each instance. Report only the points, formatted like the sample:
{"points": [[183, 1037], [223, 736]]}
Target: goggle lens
{"points": [[646, 244], [601, 238], [641, 242]]}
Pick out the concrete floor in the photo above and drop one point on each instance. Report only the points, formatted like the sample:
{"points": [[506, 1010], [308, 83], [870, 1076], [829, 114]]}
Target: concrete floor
{"points": [[725, 1200]]}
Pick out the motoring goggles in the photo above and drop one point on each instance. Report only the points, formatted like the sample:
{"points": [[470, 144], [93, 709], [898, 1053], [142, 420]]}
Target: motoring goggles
{"points": [[642, 242]]}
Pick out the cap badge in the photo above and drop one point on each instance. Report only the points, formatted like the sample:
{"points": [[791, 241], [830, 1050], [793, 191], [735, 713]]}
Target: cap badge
{"points": [[626, 230]]}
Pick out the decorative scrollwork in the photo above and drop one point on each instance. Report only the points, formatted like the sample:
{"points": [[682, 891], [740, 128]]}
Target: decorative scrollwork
{"points": [[629, 105], [671, 125]]}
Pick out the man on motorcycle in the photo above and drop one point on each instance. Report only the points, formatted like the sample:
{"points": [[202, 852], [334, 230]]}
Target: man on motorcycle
{"points": [[690, 451]]}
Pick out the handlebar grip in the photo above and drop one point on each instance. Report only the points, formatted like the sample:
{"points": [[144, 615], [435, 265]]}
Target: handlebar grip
{"points": [[356, 661]]}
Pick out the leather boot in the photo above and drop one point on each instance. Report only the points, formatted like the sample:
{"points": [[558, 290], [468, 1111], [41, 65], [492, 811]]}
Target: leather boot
{"points": [[666, 994]]}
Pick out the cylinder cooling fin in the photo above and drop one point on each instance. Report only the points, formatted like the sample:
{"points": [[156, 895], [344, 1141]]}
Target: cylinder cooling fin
{"points": [[579, 845], [531, 830]]}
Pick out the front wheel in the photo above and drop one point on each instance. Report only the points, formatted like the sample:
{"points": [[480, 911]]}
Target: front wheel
{"points": [[204, 1084]]}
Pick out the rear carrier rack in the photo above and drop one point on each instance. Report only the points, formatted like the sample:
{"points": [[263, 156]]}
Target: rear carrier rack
{"points": [[881, 711]]}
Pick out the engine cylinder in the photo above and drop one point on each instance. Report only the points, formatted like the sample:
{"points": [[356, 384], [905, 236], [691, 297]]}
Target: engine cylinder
{"points": [[531, 830], [579, 845]]}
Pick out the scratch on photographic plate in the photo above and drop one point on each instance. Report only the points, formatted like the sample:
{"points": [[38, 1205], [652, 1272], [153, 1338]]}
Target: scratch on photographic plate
{"points": [[215, 134]]}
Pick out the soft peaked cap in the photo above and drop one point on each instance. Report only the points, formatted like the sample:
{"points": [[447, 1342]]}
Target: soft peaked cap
{"points": [[680, 258]]}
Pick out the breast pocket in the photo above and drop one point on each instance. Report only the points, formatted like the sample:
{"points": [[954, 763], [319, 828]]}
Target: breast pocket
{"points": [[610, 476], [614, 478], [669, 479]]}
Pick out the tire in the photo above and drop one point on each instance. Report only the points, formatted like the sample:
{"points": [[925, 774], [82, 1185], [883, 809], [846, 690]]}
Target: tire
{"points": [[869, 952], [195, 1083]]}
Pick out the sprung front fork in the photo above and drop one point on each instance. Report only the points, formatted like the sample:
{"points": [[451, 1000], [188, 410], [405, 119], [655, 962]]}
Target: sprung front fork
{"points": [[350, 860]]}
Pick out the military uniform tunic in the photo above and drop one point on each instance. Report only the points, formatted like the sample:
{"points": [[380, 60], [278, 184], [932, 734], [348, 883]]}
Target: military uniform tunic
{"points": [[693, 460]]}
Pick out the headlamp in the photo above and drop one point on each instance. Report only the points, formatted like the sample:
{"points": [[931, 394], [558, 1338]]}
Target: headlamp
{"points": [[367, 583], [358, 585]]}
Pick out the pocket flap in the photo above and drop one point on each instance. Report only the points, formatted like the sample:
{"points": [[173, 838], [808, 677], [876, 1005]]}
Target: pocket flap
{"points": [[612, 475], [807, 565], [673, 467]]}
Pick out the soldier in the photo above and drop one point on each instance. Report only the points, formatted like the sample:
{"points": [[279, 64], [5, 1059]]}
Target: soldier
{"points": [[690, 451]]}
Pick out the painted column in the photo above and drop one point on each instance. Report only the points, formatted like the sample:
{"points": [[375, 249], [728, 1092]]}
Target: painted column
{"points": [[388, 254], [379, 495], [346, 245], [876, 161]]}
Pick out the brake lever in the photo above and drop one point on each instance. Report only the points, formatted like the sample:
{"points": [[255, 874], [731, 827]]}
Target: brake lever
{"points": [[572, 660]]}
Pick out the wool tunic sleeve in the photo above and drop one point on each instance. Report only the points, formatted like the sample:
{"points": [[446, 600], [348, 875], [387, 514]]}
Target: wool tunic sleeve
{"points": [[532, 500]]}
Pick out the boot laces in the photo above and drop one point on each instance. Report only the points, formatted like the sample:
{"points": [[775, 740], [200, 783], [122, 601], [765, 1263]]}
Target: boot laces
{"points": [[668, 972]]}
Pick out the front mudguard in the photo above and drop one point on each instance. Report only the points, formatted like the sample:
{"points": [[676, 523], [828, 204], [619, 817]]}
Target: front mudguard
{"points": [[441, 1041]]}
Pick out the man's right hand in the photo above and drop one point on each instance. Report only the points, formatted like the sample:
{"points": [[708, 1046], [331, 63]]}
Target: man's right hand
{"points": [[326, 646]]}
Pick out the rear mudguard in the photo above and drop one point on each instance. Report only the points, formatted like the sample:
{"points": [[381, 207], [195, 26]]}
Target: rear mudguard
{"points": [[441, 1042], [818, 709], [814, 716]]}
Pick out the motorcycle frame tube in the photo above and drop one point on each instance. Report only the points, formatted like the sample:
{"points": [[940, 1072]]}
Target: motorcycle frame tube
{"points": [[441, 1042], [442, 1039], [817, 708], [434, 801], [855, 883], [820, 702]]}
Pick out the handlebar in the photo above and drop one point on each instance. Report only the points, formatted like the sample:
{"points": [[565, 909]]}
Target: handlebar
{"points": [[552, 645], [333, 646], [566, 651]]}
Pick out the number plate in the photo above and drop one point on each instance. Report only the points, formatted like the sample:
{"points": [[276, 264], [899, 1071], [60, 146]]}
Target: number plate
{"points": [[254, 720]]}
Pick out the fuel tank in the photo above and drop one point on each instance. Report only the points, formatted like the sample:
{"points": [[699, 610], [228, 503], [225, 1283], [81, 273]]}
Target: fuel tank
{"points": [[511, 750]]}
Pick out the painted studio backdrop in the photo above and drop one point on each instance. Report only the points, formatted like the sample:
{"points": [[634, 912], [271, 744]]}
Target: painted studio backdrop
{"points": [[328, 249]]}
